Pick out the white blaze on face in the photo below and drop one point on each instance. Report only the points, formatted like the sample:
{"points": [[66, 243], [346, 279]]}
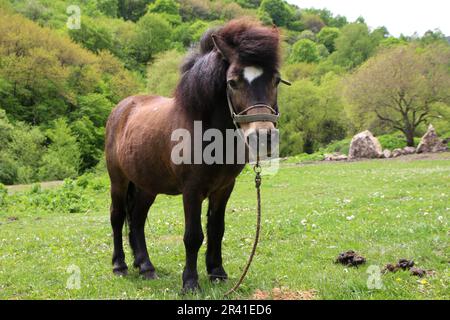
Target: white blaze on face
{"points": [[251, 73]]}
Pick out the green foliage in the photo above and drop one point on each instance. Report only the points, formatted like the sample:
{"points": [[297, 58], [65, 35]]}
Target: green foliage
{"points": [[250, 4], [62, 159], [22, 148], [96, 107], [304, 50], [163, 73], [92, 35], [164, 6], [341, 146], [392, 141], [152, 36], [109, 8], [312, 22], [3, 194], [312, 116], [90, 141], [327, 17], [133, 9], [278, 10], [327, 36], [354, 45]]}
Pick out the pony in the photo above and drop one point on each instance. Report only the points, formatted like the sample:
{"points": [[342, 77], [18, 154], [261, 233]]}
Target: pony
{"points": [[230, 80]]}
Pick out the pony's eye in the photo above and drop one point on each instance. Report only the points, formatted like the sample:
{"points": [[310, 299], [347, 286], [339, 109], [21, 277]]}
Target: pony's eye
{"points": [[232, 84]]}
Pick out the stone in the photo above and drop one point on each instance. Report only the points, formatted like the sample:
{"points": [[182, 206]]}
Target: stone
{"points": [[409, 150], [335, 157], [430, 142], [387, 153], [365, 145], [397, 153]]}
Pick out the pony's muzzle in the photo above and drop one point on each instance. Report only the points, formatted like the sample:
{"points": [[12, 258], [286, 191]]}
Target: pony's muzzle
{"points": [[262, 142]]}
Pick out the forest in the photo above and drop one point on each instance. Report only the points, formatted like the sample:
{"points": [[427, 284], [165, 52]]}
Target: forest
{"points": [[58, 84]]}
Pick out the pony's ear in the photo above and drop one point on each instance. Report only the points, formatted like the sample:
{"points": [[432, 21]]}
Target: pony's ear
{"points": [[225, 50]]}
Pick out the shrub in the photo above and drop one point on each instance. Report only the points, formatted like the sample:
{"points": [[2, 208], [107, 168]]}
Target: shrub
{"points": [[342, 146], [305, 157], [3, 194], [392, 141], [62, 158]]}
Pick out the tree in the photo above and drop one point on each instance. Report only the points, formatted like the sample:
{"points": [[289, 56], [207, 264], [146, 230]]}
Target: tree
{"points": [[312, 22], [90, 140], [353, 46], [327, 36], [327, 17], [152, 36], [278, 10], [312, 115], [92, 35], [133, 9], [62, 159], [403, 86], [108, 7], [304, 50], [164, 6], [163, 74]]}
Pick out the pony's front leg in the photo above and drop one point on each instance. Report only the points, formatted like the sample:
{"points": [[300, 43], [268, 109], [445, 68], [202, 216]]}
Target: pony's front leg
{"points": [[193, 238], [215, 230]]}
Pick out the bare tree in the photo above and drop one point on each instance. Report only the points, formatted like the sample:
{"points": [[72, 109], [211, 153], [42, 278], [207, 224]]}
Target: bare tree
{"points": [[403, 87]]}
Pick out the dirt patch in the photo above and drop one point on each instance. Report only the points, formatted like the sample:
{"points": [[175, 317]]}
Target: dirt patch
{"points": [[284, 294], [27, 187], [423, 156], [11, 219], [350, 258]]}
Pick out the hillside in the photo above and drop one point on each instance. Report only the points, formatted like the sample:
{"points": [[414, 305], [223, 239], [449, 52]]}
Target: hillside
{"points": [[58, 84]]}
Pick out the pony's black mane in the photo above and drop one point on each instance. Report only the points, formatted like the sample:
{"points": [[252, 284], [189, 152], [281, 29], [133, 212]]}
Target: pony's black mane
{"points": [[203, 73]]}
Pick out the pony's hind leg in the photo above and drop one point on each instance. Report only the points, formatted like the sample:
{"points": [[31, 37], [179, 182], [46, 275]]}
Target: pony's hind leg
{"points": [[118, 215], [137, 216]]}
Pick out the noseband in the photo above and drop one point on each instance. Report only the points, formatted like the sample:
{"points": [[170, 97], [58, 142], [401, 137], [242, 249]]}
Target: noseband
{"points": [[243, 117]]}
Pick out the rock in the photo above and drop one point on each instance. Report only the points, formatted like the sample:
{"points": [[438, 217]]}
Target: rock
{"points": [[387, 154], [365, 145], [430, 142], [397, 153], [335, 157], [409, 150]]}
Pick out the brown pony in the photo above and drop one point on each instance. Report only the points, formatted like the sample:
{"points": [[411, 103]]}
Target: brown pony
{"points": [[239, 60]]}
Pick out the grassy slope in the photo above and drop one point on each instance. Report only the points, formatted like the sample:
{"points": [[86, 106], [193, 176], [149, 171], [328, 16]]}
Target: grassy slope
{"points": [[400, 209]]}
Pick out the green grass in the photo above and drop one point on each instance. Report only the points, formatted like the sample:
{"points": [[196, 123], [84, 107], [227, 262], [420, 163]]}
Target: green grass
{"points": [[400, 209]]}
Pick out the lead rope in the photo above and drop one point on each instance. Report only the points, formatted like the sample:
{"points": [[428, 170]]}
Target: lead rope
{"points": [[257, 169]]}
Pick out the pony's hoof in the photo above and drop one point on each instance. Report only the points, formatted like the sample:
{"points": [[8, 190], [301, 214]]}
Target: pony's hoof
{"points": [[149, 275], [190, 286], [218, 275], [120, 270]]}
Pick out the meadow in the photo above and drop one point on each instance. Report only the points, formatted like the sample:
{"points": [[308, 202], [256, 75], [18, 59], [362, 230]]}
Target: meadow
{"points": [[383, 209]]}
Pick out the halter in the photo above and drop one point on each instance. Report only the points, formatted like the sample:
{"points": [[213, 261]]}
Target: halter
{"points": [[243, 117]]}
